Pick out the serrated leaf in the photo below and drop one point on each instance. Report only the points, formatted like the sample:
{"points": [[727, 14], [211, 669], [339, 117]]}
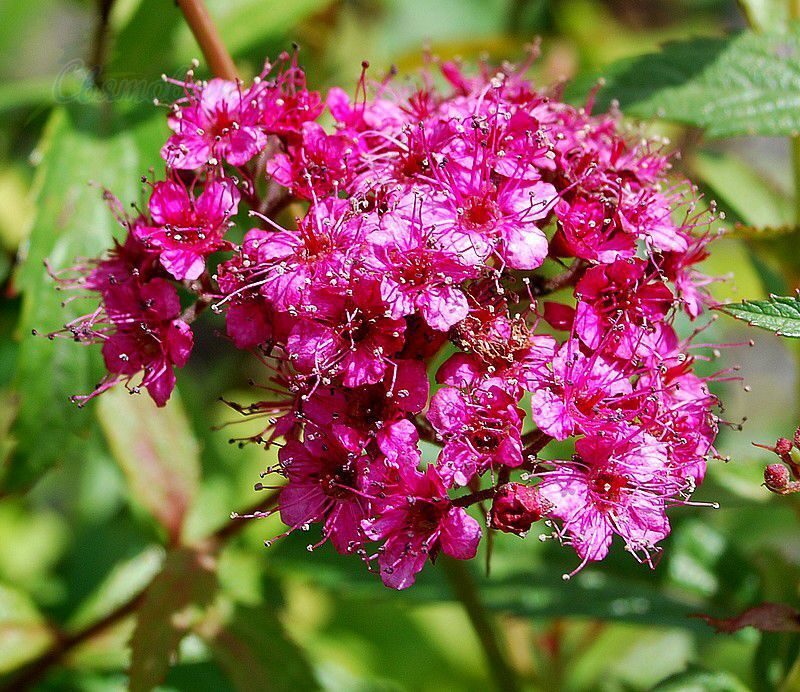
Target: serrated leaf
{"points": [[745, 84], [254, 650], [157, 451], [24, 634], [82, 143], [779, 314], [186, 583]]}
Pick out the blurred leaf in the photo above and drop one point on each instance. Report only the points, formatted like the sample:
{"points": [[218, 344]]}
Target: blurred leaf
{"points": [[145, 46], [157, 452], [244, 24], [531, 591], [745, 84], [765, 15], [23, 632], [255, 651], [767, 617], [80, 143], [187, 582], [779, 314], [697, 679], [127, 579], [742, 190]]}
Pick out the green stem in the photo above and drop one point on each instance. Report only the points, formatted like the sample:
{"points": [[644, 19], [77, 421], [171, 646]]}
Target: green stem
{"points": [[464, 588]]}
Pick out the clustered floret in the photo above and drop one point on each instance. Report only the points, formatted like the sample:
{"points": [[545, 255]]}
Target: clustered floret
{"points": [[479, 269]]}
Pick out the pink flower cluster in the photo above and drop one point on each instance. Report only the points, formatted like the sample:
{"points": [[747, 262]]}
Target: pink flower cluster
{"points": [[477, 271]]}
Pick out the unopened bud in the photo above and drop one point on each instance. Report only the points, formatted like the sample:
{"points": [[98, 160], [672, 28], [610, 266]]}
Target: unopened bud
{"points": [[778, 480], [516, 507]]}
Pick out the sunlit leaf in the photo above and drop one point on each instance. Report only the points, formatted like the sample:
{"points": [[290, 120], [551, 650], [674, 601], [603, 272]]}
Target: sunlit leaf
{"points": [[742, 85], [700, 680], [82, 143], [157, 452], [24, 634], [779, 314]]}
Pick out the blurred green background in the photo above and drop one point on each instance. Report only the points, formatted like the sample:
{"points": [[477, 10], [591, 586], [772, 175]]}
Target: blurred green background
{"points": [[85, 494]]}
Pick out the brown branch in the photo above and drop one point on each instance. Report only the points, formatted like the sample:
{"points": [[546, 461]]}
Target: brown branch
{"points": [[208, 38], [34, 671]]}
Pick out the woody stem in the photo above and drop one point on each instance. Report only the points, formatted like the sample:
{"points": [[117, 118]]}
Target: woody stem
{"points": [[208, 38]]}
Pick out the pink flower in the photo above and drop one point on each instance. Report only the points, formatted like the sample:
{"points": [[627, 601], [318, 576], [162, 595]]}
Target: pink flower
{"points": [[620, 303], [186, 229], [615, 486], [218, 119], [481, 427], [516, 507], [146, 337], [298, 266], [324, 482], [415, 521], [581, 394], [377, 412], [415, 274], [315, 167], [354, 336], [481, 221]]}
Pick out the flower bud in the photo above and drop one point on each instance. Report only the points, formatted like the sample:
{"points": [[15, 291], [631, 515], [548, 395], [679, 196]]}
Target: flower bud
{"points": [[776, 478], [516, 507], [783, 446]]}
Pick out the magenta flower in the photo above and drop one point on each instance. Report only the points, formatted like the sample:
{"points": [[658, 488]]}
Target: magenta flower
{"points": [[615, 486], [415, 521], [142, 333], [481, 427], [516, 507], [378, 412], [415, 274], [355, 337], [299, 266], [516, 249], [215, 120], [324, 483], [621, 304], [581, 394], [186, 229], [315, 167]]}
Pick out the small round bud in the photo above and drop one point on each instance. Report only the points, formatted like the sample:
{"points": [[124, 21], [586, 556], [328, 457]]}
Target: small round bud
{"points": [[776, 478], [516, 507]]}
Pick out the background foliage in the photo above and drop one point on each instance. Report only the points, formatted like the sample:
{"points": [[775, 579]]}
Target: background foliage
{"points": [[118, 564]]}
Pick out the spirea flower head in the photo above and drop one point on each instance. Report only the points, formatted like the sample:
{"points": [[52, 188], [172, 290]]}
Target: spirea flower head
{"points": [[458, 252]]}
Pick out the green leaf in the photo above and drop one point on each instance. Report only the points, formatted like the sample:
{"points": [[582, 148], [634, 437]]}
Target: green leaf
{"points": [[254, 650], [765, 15], [742, 190], [696, 679], [747, 84], [82, 143], [127, 579], [779, 314], [24, 634], [157, 452], [244, 24], [186, 583]]}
